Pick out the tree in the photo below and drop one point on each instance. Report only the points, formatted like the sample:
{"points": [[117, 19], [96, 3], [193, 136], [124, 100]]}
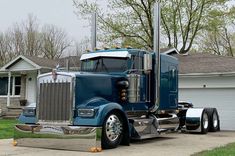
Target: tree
{"points": [[81, 47], [32, 36], [131, 22], [16, 36], [29, 38], [219, 37], [54, 42], [4, 48]]}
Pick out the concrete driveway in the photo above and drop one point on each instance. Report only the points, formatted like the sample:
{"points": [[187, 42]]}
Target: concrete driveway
{"points": [[177, 144]]}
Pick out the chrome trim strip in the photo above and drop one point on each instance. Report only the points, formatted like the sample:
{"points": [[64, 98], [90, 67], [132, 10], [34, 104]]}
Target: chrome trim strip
{"points": [[58, 137]]}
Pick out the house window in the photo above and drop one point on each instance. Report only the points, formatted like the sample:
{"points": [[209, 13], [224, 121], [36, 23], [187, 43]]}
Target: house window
{"points": [[3, 85], [15, 85]]}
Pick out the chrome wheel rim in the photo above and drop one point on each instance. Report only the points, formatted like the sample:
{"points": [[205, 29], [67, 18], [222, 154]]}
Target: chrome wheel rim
{"points": [[113, 127], [205, 121], [215, 120]]}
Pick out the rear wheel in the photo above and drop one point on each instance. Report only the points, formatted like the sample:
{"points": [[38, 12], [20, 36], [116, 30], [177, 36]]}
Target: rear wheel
{"points": [[112, 132], [215, 121], [204, 122]]}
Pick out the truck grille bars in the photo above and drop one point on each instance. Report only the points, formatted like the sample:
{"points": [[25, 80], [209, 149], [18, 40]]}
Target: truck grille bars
{"points": [[54, 102]]}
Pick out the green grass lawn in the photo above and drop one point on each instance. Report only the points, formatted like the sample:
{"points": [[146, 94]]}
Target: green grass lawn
{"points": [[228, 150], [6, 128]]}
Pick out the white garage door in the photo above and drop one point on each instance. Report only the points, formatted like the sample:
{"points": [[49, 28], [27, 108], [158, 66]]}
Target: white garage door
{"points": [[222, 99]]}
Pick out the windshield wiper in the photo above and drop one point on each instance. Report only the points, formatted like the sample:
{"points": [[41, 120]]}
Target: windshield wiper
{"points": [[97, 64], [104, 66]]}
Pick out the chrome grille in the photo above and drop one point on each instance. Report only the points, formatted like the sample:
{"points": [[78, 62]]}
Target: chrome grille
{"points": [[55, 102]]}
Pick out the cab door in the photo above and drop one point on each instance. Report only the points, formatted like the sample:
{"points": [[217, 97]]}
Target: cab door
{"points": [[173, 87]]}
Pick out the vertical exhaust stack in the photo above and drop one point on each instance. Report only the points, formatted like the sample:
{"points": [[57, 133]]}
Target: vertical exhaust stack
{"points": [[93, 31], [156, 48]]}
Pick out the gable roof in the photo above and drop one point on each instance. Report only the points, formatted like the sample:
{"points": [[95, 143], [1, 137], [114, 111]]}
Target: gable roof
{"points": [[36, 62], [169, 51], [43, 62], [204, 63]]}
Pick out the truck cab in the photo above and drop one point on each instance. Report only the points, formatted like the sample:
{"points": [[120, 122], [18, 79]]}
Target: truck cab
{"points": [[112, 100], [128, 68]]}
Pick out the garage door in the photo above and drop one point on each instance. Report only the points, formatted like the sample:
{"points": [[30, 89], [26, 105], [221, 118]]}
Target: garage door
{"points": [[222, 99]]}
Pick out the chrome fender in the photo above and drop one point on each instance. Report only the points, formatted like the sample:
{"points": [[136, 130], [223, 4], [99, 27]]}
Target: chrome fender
{"points": [[193, 119]]}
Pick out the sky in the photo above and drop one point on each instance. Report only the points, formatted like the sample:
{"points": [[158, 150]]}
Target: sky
{"points": [[56, 12]]}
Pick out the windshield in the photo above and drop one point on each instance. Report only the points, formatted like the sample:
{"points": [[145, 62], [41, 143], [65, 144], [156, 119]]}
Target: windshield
{"points": [[105, 64]]}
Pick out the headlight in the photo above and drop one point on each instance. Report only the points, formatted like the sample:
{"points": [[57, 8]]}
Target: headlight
{"points": [[86, 112], [29, 111]]}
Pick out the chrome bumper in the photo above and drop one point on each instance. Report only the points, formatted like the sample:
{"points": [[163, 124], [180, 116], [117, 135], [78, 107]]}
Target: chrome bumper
{"points": [[58, 137]]}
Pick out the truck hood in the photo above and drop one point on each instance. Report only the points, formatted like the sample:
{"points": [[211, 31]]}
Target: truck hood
{"points": [[90, 86]]}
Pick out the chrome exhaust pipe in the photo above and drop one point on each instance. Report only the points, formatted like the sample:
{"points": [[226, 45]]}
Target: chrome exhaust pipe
{"points": [[156, 49], [93, 31]]}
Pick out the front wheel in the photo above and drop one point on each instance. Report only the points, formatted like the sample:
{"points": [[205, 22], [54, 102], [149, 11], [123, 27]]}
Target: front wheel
{"points": [[112, 132]]}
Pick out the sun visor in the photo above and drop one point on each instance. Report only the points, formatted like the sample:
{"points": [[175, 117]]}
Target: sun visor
{"points": [[119, 54]]}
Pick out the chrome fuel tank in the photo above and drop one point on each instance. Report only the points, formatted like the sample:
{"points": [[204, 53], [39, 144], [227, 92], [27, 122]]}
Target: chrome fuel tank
{"points": [[134, 88]]}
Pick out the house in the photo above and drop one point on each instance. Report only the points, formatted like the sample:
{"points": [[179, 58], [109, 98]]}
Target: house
{"points": [[206, 80], [20, 75], [209, 81]]}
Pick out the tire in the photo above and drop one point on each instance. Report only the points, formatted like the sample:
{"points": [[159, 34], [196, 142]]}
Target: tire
{"points": [[215, 124], [112, 131], [210, 113], [204, 122]]}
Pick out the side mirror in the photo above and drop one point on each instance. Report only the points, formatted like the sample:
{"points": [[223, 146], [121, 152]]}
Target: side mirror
{"points": [[147, 63]]}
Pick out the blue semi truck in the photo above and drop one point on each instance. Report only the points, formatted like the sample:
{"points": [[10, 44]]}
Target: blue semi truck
{"points": [[119, 95]]}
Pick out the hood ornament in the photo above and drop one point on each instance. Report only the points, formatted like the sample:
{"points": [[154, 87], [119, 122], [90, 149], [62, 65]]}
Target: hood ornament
{"points": [[54, 74]]}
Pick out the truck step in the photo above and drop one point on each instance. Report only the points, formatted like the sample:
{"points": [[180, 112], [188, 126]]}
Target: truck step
{"points": [[144, 128], [145, 136], [153, 126]]}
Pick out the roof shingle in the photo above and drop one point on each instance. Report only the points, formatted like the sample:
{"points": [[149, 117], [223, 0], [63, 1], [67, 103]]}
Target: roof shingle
{"points": [[43, 62], [205, 63]]}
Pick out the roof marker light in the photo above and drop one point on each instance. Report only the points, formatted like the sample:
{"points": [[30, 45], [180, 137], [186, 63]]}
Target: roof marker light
{"points": [[106, 48], [88, 50], [128, 47], [117, 47], [97, 49]]}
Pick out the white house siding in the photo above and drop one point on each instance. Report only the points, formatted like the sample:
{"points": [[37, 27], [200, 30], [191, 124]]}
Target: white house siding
{"points": [[21, 66], [211, 91]]}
